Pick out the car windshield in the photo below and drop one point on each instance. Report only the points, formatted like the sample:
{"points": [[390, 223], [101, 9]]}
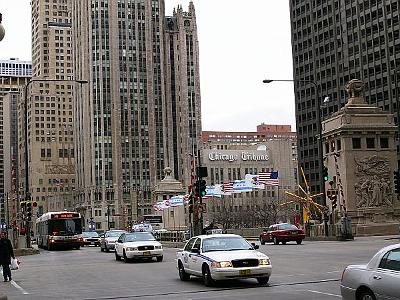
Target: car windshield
{"points": [[90, 234], [225, 244], [114, 233], [139, 236], [287, 227]]}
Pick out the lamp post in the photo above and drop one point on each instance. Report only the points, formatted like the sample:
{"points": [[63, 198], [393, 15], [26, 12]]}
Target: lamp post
{"points": [[321, 156], [2, 32], [26, 154]]}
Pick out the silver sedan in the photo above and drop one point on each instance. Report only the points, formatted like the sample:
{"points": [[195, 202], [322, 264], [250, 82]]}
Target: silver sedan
{"points": [[379, 279]]}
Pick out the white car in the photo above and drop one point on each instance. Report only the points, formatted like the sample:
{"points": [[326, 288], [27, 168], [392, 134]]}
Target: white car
{"points": [[379, 279], [220, 257], [137, 245], [108, 239]]}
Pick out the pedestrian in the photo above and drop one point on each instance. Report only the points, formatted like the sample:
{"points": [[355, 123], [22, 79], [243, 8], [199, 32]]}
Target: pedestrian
{"points": [[6, 252]]}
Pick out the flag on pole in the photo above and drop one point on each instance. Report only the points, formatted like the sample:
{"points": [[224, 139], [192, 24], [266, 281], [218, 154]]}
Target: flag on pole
{"points": [[228, 188], [269, 178]]}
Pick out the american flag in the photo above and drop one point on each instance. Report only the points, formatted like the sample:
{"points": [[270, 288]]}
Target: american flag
{"points": [[269, 178], [228, 188]]}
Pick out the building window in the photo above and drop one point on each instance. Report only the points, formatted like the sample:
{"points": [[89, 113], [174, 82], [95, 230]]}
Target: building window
{"points": [[338, 145], [370, 143], [356, 143], [384, 143]]}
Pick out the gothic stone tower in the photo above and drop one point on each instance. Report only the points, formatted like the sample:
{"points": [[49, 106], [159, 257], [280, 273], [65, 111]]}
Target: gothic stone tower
{"points": [[360, 153]]}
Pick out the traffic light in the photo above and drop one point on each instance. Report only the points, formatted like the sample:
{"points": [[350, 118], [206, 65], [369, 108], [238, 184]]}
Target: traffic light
{"points": [[34, 204], [334, 202], [29, 211], [197, 188], [202, 188], [191, 203], [325, 174], [397, 182]]}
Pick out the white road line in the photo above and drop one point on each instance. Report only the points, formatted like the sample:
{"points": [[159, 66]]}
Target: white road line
{"points": [[14, 284], [327, 294], [19, 288]]}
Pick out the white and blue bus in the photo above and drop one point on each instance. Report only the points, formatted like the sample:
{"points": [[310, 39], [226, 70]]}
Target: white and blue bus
{"points": [[56, 229]]}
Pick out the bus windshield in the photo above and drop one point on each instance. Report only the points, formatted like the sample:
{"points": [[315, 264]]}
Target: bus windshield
{"points": [[65, 226]]}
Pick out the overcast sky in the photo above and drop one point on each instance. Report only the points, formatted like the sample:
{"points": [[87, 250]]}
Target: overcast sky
{"points": [[241, 43]]}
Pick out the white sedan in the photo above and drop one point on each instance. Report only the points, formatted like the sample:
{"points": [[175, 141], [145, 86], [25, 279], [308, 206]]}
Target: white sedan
{"points": [[379, 279], [137, 245], [220, 257]]}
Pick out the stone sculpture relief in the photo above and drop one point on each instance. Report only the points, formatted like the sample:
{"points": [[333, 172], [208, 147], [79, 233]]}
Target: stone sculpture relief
{"points": [[60, 169], [373, 188]]}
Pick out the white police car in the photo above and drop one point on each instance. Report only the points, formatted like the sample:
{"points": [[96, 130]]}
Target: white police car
{"points": [[220, 257], [138, 245]]}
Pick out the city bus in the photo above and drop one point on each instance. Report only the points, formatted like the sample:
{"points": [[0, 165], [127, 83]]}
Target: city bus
{"points": [[54, 229]]}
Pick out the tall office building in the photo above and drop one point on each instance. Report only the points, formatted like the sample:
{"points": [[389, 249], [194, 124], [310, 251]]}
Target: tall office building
{"points": [[140, 112], [49, 104], [334, 41], [14, 75]]}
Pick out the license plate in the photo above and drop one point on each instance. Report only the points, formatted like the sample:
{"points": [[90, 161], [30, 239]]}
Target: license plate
{"points": [[294, 232], [91, 243], [244, 272], [146, 253]]}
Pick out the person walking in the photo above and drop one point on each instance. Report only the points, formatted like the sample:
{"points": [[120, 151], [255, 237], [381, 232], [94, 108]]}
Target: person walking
{"points": [[6, 252]]}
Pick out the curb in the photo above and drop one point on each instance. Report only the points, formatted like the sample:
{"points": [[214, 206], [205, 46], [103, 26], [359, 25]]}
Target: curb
{"points": [[25, 251]]}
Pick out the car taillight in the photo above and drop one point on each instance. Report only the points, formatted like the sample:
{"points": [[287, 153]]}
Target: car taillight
{"points": [[341, 278]]}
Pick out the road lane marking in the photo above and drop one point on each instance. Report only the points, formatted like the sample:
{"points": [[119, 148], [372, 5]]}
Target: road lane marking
{"points": [[19, 288], [322, 293], [14, 284]]}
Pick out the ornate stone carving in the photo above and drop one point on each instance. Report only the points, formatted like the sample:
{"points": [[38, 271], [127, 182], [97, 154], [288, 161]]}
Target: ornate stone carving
{"points": [[355, 88], [60, 169], [373, 188]]}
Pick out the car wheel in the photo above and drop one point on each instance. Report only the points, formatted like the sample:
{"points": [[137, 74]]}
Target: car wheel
{"points": [[106, 249], [182, 274], [117, 257], [276, 242], [125, 258], [299, 242], [82, 245], [160, 258], [366, 295], [262, 280], [283, 242], [78, 247], [262, 241], [207, 279], [101, 249]]}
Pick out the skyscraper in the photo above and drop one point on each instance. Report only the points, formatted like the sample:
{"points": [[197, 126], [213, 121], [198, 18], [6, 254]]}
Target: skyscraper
{"points": [[141, 110], [14, 74], [334, 41], [49, 107]]}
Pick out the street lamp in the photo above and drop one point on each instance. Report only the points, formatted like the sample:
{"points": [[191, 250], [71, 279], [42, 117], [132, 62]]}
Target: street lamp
{"points": [[27, 193], [321, 156], [2, 32]]}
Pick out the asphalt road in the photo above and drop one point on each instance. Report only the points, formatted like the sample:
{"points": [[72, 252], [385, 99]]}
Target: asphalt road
{"points": [[308, 271]]}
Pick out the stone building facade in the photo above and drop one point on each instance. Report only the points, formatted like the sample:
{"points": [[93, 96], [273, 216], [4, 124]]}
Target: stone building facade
{"points": [[360, 153], [229, 156], [141, 111], [49, 110]]}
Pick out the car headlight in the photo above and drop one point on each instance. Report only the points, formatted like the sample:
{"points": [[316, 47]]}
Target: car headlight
{"points": [[131, 249], [264, 262], [158, 247], [222, 264]]}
